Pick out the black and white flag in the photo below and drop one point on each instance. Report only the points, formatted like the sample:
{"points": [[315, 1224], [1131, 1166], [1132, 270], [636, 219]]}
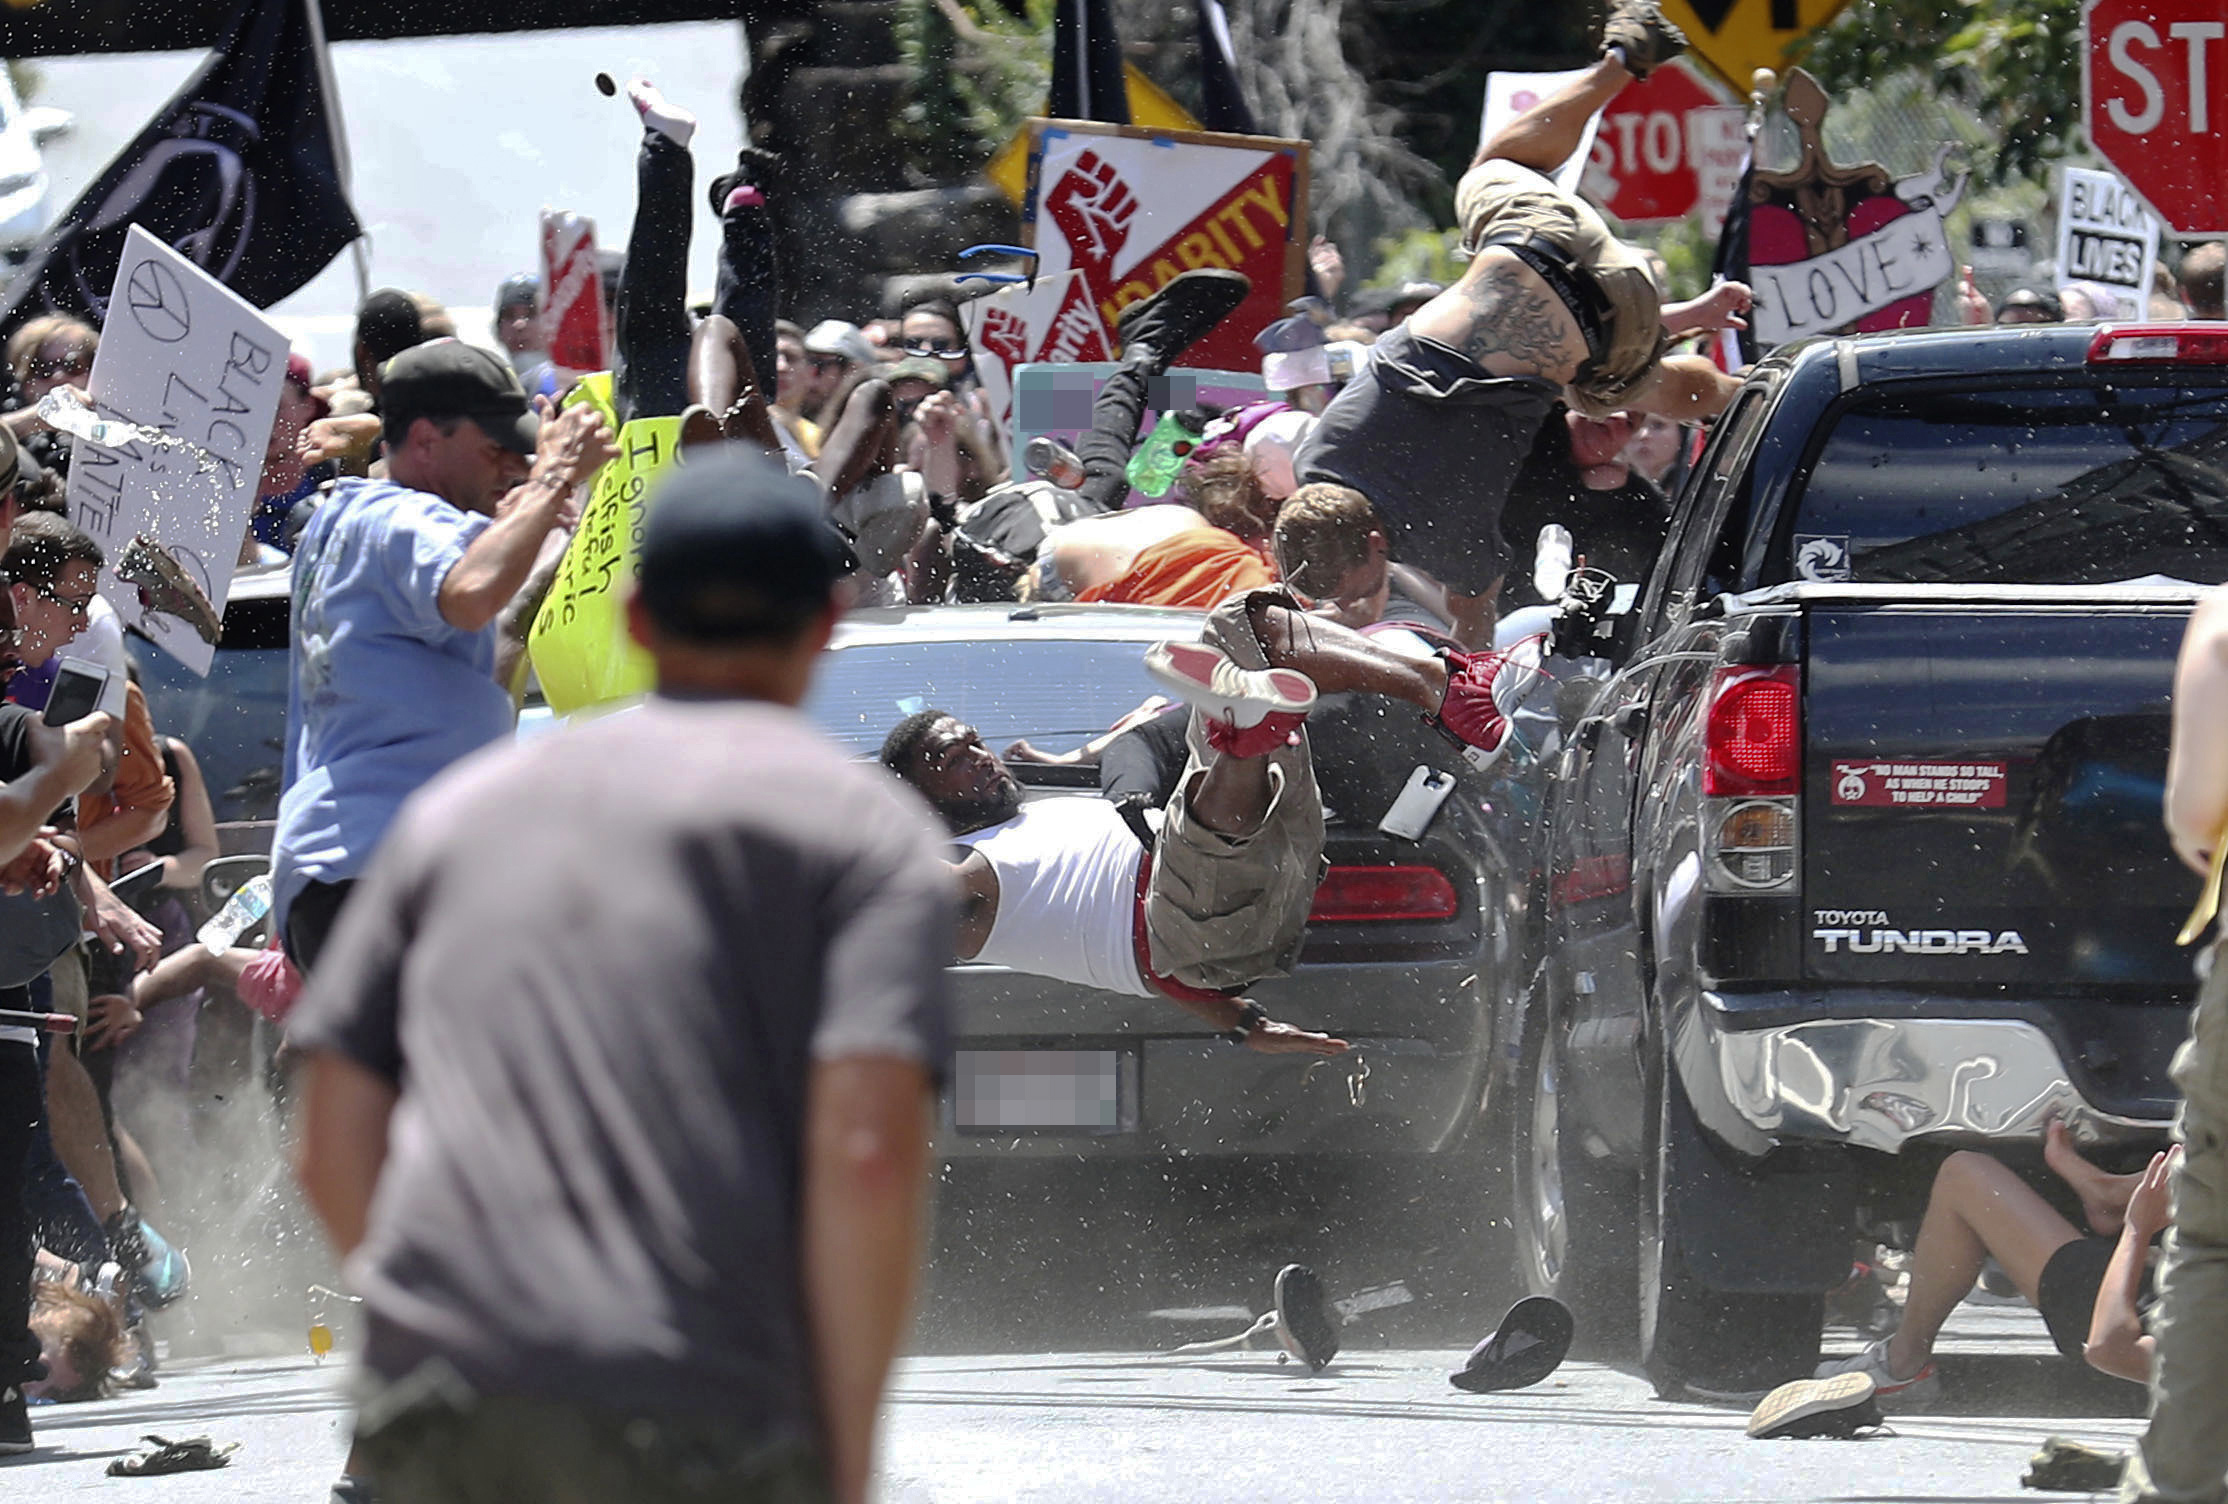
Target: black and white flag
{"points": [[242, 172]]}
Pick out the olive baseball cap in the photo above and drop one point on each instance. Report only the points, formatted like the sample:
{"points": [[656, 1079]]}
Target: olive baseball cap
{"points": [[736, 547], [447, 378]]}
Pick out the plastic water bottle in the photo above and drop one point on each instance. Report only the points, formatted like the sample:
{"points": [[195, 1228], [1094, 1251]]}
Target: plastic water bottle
{"points": [[241, 913], [1154, 465], [1551, 562]]}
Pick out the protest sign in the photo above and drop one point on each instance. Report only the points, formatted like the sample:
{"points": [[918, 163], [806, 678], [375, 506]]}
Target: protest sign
{"points": [[1835, 248], [2107, 240], [579, 325], [1508, 95], [1053, 322], [183, 354], [1130, 208], [579, 644], [1055, 400]]}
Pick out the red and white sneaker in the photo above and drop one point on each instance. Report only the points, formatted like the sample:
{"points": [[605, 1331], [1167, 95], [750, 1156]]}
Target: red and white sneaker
{"points": [[1205, 678], [1483, 689]]}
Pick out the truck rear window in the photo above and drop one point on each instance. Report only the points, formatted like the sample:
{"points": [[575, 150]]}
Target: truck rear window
{"points": [[2046, 486]]}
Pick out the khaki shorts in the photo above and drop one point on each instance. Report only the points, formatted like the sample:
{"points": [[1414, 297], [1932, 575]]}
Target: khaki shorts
{"points": [[1501, 198], [1225, 911]]}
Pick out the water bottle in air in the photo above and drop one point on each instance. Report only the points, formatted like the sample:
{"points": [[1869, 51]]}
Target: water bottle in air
{"points": [[241, 913]]}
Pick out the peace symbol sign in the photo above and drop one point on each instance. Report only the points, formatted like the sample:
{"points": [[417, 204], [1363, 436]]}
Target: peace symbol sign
{"points": [[157, 300]]}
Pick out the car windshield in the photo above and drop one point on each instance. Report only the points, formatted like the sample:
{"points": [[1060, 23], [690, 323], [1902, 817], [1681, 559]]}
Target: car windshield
{"points": [[2045, 486], [1055, 691], [235, 719]]}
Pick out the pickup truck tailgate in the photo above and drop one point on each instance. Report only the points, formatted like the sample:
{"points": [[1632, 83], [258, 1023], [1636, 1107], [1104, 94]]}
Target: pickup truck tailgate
{"points": [[1982, 797]]}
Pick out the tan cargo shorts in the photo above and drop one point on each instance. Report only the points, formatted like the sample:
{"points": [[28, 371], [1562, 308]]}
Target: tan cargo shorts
{"points": [[1502, 198], [1222, 912]]}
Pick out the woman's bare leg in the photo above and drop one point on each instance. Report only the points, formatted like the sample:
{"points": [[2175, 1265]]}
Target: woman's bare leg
{"points": [[1979, 1208], [722, 379]]}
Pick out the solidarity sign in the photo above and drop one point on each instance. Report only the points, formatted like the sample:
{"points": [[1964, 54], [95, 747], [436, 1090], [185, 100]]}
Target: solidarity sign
{"points": [[1125, 209]]}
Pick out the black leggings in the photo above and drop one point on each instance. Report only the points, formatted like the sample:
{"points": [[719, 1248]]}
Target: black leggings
{"points": [[21, 1104], [650, 375], [1105, 450]]}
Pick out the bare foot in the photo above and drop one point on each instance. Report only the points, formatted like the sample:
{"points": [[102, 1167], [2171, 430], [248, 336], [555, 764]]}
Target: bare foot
{"points": [[2103, 1194]]}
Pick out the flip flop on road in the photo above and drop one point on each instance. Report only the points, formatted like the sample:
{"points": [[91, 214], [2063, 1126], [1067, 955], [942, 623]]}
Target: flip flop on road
{"points": [[1303, 1317], [1530, 1343], [160, 1455]]}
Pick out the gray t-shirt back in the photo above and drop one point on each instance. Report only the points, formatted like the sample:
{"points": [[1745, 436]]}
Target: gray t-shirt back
{"points": [[599, 966]]}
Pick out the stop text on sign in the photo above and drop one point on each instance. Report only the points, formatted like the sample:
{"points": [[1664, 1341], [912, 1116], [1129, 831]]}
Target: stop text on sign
{"points": [[2154, 90]]}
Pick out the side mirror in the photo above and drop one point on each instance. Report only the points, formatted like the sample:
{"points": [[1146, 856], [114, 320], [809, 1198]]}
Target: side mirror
{"points": [[45, 123], [1551, 562]]}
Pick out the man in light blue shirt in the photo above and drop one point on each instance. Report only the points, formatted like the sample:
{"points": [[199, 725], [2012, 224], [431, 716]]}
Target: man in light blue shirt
{"points": [[398, 584]]}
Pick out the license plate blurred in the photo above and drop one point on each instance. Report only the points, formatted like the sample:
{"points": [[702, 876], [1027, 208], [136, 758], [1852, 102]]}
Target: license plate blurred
{"points": [[1047, 1091]]}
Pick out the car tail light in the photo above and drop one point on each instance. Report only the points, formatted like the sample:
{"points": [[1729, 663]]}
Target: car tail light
{"points": [[1350, 894], [2158, 344], [1752, 845], [1752, 736]]}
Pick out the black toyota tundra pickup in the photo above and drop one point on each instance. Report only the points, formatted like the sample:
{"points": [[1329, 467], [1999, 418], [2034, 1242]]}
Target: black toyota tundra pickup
{"points": [[1852, 852]]}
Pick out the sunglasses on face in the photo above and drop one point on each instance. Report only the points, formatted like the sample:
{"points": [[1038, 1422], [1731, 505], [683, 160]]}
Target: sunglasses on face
{"points": [[934, 348]]}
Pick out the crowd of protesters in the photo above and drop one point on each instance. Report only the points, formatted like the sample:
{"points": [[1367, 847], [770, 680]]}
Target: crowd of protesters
{"points": [[422, 498]]}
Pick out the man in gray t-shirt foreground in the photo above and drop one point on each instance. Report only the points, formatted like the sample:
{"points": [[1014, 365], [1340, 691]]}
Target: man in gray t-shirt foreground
{"points": [[620, 1064]]}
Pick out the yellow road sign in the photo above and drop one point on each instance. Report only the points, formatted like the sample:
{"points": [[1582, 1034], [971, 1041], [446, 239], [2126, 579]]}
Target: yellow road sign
{"points": [[1736, 37], [1149, 105]]}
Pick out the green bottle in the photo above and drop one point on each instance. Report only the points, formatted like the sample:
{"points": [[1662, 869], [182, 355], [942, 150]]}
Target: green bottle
{"points": [[1154, 465]]}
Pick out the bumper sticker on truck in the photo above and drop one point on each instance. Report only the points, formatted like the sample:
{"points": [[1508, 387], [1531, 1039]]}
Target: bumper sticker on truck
{"points": [[1919, 785]]}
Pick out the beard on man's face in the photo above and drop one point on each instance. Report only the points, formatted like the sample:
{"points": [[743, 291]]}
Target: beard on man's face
{"points": [[976, 811]]}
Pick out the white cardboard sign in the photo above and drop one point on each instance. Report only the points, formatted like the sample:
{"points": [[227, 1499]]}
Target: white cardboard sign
{"points": [[1054, 321], [2106, 239], [182, 353], [1508, 95]]}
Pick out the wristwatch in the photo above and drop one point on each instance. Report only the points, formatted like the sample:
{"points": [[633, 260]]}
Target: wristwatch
{"points": [[1250, 1017]]}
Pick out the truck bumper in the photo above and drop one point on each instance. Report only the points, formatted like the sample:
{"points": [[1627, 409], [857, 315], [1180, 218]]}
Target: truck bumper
{"points": [[1878, 1082]]}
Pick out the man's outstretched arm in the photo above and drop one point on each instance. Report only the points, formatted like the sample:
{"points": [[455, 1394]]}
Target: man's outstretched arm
{"points": [[865, 1185], [1685, 389]]}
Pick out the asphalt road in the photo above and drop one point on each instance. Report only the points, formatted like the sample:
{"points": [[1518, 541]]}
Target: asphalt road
{"points": [[1380, 1425]]}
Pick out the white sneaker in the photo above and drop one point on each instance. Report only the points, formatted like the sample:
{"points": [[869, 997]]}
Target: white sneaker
{"points": [[1205, 678], [1917, 1392]]}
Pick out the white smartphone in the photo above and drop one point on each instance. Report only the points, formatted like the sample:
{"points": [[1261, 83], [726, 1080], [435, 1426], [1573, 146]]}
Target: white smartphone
{"points": [[1411, 813]]}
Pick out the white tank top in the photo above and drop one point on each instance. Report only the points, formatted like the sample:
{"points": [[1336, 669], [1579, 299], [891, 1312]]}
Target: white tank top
{"points": [[1067, 893]]}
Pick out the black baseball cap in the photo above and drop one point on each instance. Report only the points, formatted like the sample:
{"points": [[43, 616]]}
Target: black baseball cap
{"points": [[737, 548], [447, 378]]}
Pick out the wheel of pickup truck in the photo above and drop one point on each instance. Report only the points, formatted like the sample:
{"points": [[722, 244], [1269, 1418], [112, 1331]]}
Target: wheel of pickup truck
{"points": [[1694, 1338], [1573, 1216]]}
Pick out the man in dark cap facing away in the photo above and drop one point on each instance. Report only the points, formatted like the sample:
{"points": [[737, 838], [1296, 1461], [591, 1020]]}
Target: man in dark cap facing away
{"points": [[634, 1030]]}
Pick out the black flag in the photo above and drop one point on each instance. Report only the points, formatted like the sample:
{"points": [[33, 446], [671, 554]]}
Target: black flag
{"points": [[1087, 79], [1222, 104], [239, 173], [1733, 349]]}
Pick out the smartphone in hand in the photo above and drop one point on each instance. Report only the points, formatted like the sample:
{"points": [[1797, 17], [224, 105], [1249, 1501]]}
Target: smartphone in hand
{"points": [[78, 686]]}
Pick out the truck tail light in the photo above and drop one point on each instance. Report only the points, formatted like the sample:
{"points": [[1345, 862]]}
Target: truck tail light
{"points": [[2159, 345], [1752, 776], [1352, 894], [1752, 733]]}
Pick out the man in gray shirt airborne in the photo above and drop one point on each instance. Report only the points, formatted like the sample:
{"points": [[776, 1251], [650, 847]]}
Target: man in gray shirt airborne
{"points": [[620, 1064]]}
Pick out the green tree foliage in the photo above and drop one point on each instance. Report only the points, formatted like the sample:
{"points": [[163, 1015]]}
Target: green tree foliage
{"points": [[2016, 64], [978, 72]]}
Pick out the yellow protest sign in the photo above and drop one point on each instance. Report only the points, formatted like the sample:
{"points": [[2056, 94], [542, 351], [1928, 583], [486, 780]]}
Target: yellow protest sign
{"points": [[579, 643], [1149, 105], [1736, 37]]}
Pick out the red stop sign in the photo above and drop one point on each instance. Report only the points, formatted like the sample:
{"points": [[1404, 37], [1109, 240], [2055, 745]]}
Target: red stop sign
{"points": [[2154, 95], [1643, 160]]}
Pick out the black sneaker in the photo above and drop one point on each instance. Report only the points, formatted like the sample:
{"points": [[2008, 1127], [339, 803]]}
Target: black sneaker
{"points": [[1638, 29], [1839, 1407], [755, 167], [1303, 1317], [1186, 307], [15, 1421]]}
